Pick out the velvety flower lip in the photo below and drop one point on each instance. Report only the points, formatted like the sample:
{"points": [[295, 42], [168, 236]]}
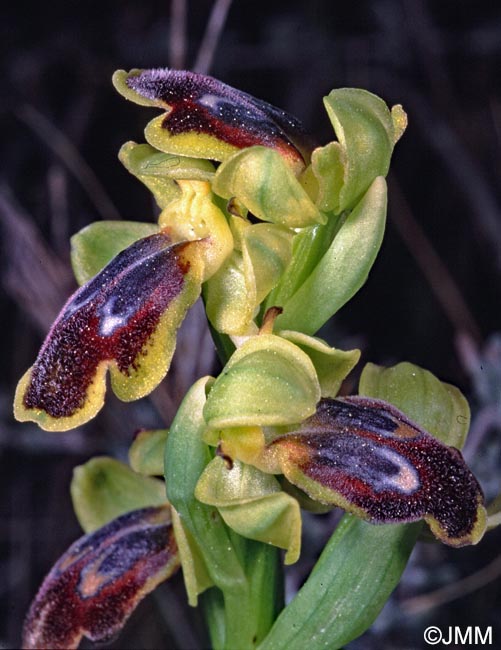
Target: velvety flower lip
{"points": [[366, 456], [202, 104], [112, 321], [94, 587]]}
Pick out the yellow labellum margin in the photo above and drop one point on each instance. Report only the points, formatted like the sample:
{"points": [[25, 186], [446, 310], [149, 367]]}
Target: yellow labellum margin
{"points": [[367, 457], [206, 118], [125, 320]]}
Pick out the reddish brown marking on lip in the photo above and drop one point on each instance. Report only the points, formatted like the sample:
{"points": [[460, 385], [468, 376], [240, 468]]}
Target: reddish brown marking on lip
{"points": [[375, 458], [202, 104], [112, 317], [92, 590]]}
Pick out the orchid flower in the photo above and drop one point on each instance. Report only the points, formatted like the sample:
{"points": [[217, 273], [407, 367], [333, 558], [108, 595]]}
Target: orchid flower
{"points": [[276, 235]]}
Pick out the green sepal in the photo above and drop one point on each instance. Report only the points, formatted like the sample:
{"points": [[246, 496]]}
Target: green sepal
{"points": [[149, 161], [104, 488], [146, 454], [252, 504], [195, 574], [261, 255], [266, 185], [366, 133], [267, 382], [308, 247], [344, 267], [332, 365], [159, 171], [438, 407], [494, 513], [97, 244], [350, 583]]}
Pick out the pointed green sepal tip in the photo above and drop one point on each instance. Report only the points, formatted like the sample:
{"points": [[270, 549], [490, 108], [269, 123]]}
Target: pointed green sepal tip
{"points": [[146, 453], [367, 132], [332, 365]]}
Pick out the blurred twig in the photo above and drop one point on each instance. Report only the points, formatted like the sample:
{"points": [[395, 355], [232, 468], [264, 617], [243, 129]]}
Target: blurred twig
{"points": [[483, 208], [434, 270], [177, 34], [213, 31], [63, 147], [40, 293], [458, 589]]}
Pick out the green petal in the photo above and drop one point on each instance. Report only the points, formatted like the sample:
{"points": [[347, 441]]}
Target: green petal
{"points": [[93, 247], [267, 382], [366, 133], [103, 489], [332, 365], [159, 170], [234, 293], [195, 216], [438, 407], [252, 504], [344, 267], [146, 454], [261, 179]]}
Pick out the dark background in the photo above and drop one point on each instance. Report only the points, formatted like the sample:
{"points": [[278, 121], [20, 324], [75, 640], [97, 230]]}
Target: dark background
{"points": [[433, 297]]}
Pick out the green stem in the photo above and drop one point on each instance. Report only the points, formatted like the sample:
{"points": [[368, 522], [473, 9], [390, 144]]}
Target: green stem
{"points": [[213, 605], [309, 247], [243, 570], [352, 580]]}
